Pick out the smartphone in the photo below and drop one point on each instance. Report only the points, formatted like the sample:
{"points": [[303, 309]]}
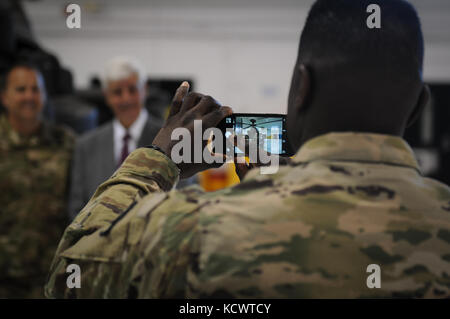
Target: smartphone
{"points": [[267, 130]]}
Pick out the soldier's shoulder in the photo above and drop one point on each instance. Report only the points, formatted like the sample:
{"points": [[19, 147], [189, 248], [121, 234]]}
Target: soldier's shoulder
{"points": [[441, 188], [439, 192]]}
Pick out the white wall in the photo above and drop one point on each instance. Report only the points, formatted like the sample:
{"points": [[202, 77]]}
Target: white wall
{"points": [[241, 52]]}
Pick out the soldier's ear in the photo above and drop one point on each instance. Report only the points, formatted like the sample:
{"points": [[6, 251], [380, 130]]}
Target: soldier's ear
{"points": [[424, 98], [305, 85], [303, 88], [299, 93], [298, 102]]}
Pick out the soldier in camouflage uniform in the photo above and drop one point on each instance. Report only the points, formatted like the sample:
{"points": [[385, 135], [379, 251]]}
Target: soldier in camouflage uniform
{"points": [[34, 160], [352, 196]]}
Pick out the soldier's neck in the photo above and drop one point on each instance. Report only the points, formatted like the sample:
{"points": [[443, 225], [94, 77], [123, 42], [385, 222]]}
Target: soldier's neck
{"points": [[24, 127]]}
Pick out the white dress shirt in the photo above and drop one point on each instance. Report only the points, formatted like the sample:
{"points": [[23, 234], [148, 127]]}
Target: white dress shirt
{"points": [[135, 131]]}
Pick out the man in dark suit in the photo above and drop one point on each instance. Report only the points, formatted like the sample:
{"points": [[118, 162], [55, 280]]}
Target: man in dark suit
{"points": [[99, 152]]}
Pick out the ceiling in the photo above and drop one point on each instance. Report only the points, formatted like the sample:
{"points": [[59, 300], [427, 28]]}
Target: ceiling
{"points": [[248, 19]]}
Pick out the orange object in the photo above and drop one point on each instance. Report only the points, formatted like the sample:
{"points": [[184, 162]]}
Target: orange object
{"points": [[218, 178]]}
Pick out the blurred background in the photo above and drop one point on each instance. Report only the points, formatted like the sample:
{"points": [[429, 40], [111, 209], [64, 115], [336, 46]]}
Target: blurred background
{"points": [[240, 51]]}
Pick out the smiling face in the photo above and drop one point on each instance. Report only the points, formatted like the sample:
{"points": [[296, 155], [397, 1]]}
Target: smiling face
{"points": [[24, 95], [126, 98]]}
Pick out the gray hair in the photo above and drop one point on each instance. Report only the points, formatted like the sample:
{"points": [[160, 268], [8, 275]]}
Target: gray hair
{"points": [[122, 67]]}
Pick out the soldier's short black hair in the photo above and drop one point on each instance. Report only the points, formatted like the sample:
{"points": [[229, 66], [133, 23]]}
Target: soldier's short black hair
{"points": [[336, 32], [19, 64]]}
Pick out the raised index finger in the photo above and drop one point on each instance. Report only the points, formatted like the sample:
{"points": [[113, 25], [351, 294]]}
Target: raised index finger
{"points": [[181, 92]]}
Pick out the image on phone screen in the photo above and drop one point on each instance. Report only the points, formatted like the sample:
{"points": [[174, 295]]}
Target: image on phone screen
{"points": [[266, 131]]}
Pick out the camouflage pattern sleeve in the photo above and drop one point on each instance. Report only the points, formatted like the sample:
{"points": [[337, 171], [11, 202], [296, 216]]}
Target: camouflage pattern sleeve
{"points": [[87, 241]]}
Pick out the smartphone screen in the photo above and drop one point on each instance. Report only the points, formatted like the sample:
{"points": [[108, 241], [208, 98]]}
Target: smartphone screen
{"points": [[267, 131]]}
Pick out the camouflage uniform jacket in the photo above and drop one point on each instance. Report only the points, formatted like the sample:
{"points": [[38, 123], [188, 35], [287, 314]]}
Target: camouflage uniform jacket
{"points": [[33, 179], [346, 201]]}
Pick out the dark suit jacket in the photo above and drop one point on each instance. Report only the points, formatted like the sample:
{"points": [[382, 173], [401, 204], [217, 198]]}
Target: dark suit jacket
{"points": [[93, 161]]}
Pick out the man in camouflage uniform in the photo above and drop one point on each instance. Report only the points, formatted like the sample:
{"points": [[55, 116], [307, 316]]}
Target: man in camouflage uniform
{"points": [[352, 197], [34, 160]]}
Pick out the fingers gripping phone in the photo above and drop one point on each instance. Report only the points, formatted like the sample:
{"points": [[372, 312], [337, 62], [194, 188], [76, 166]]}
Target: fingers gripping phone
{"points": [[268, 131]]}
